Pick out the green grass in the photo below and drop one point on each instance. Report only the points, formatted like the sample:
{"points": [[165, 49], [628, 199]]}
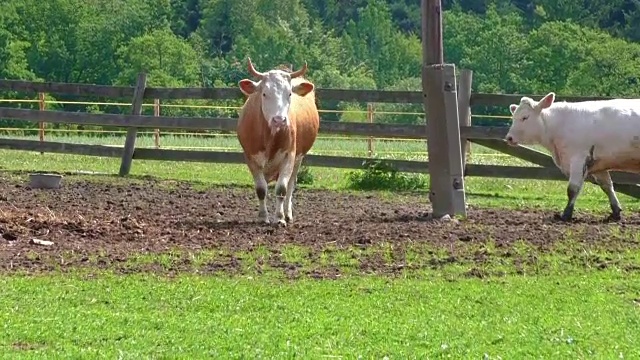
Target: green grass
{"points": [[193, 317], [574, 300], [511, 193], [507, 193]]}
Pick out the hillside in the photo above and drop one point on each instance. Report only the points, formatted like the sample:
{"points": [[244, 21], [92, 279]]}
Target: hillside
{"points": [[512, 46]]}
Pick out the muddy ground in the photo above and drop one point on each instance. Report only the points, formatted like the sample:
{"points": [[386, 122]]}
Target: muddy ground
{"points": [[118, 225]]}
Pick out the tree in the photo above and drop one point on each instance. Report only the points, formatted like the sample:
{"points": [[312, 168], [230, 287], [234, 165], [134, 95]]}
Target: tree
{"points": [[13, 57], [553, 51], [493, 47], [374, 41], [611, 69], [167, 59]]}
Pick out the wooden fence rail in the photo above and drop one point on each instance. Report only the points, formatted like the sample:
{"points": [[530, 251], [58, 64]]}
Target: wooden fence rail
{"points": [[372, 96], [484, 135], [407, 97], [229, 124], [225, 157]]}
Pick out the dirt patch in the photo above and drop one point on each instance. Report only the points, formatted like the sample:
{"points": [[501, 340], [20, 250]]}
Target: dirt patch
{"points": [[107, 225]]}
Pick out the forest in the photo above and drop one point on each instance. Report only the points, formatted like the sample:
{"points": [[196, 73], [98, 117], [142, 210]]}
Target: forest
{"points": [[572, 47]]}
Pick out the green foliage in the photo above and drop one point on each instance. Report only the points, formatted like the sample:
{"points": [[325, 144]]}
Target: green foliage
{"points": [[512, 46], [305, 176], [381, 175], [168, 60], [402, 113]]}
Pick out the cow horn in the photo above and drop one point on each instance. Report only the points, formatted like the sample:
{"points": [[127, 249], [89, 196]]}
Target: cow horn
{"points": [[300, 72], [253, 70]]}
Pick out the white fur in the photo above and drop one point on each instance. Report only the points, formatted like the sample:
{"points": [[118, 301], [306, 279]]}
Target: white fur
{"points": [[288, 169], [288, 206], [605, 131], [261, 182], [611, 126], [286, 174], [276, 92]]}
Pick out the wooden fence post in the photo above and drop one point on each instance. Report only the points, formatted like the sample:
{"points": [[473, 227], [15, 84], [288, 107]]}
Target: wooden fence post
{"points": [[464, 111], [42, 106], [443, 140], [132, 132], [156, 132], [439, 92]]}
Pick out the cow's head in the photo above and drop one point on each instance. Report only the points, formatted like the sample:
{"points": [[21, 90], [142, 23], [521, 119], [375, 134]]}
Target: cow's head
{"points": [[527, 126], [275, 90]]}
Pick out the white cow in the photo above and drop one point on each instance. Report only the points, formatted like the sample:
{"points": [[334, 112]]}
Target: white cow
{"points": [[585, 138]]}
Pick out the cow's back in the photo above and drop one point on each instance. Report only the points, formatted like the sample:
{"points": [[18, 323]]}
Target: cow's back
{"points": [[305, 118], [602, 123], [611, 127]]}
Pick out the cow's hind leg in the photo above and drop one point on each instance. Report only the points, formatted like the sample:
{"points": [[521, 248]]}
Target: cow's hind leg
{"points": [[577, 175], [603, 178], [282, 186], [288, 203]]}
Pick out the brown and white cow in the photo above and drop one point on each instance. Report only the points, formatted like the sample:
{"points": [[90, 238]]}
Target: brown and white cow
{"points": [[277, 126]]}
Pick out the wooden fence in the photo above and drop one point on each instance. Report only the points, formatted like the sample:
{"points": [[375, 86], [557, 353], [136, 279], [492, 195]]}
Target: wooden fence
{"points": [[487, 136]]}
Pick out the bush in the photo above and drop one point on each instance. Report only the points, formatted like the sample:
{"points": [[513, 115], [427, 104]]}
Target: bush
{"points": [[381, 175], [304, 176]]}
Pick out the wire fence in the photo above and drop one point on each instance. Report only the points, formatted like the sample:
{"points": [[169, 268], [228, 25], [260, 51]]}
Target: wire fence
{"points": [[157, 135]]}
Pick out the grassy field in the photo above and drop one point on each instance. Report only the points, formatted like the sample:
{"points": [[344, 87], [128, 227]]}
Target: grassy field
{"points": [[480, 191], [569, 310], [134, 317]]}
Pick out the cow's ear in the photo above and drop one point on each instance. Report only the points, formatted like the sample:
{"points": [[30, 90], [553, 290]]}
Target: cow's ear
{"points": [[303, 88], [513, 108], [247, 86], [546, 101]]}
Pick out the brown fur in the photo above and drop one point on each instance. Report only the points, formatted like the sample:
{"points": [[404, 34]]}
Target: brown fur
{"points": [[255, 136]]}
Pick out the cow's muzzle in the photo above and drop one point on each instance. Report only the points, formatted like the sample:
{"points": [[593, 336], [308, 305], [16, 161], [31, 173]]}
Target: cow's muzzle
{"points": [[510, 140], [278, 123]]}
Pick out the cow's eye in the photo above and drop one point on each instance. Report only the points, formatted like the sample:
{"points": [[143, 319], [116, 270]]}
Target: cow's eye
{"points": [[525, 118], [289, 94], [264, 95]]}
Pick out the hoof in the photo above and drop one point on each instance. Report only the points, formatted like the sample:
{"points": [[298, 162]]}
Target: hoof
{"points": [[282, 223], [288, 218], [561, 217], [613, 218]]}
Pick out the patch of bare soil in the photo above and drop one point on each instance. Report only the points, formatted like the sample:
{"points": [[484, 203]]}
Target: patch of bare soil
{"points": [[105, 225]]}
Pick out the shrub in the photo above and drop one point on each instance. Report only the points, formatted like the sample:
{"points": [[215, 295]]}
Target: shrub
{"points": [[304, 176], [381, 175]]}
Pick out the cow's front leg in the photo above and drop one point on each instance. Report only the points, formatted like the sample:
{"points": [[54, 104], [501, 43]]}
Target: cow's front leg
{"points": [[603, 178], [282, 186], [288, 203], [261, 191], [577, 175]]}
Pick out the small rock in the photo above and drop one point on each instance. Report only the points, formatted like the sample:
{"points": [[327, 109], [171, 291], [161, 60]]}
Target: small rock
{"points": [[41, 242], [445, 218]]}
